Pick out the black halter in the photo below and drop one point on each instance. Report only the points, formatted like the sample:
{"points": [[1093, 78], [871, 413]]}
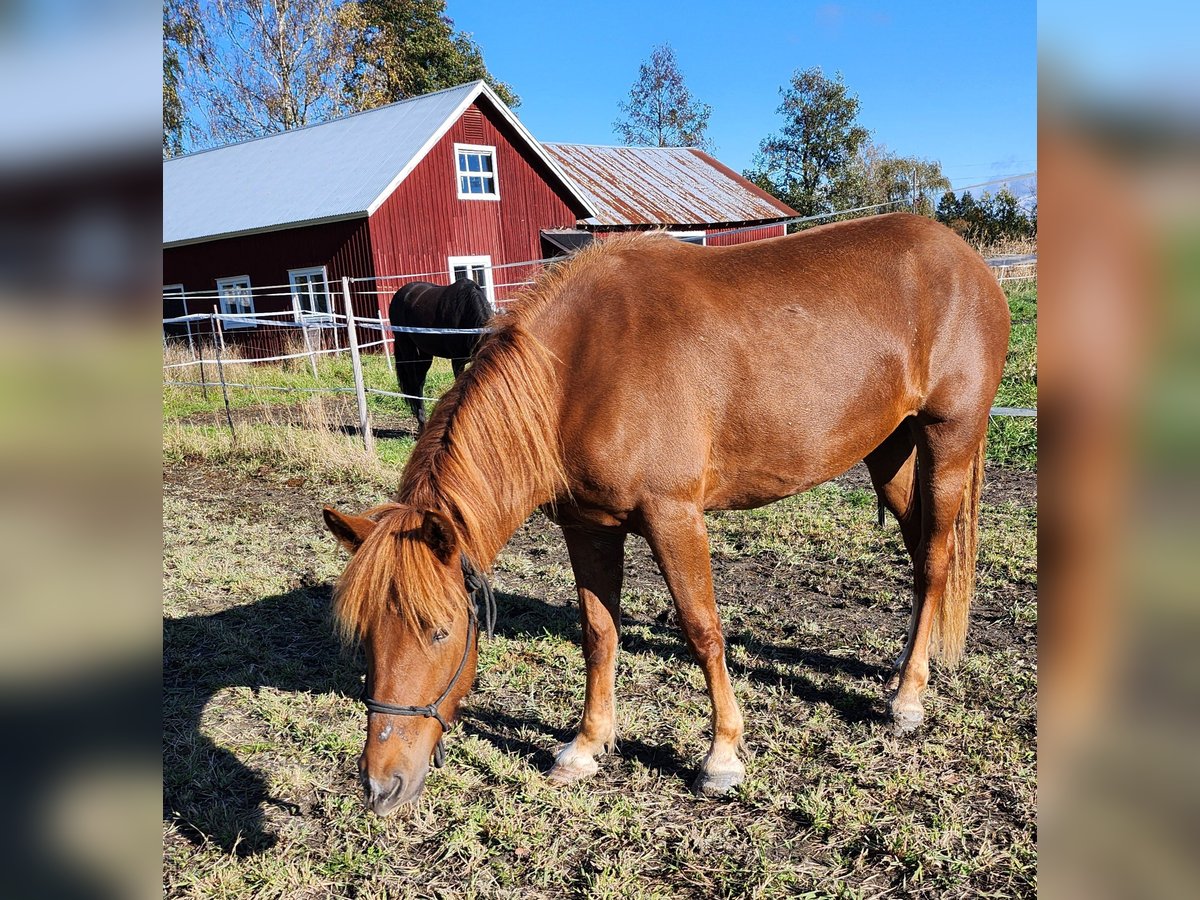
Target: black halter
{"points": [[477, 588]]}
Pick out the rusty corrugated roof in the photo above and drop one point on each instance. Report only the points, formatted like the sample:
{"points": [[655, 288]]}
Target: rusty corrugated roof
{"points": [[663, 186]]}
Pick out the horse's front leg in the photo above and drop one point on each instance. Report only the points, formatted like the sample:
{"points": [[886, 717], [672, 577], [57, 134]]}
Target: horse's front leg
{"points": [[679, 539], [598, 560]]}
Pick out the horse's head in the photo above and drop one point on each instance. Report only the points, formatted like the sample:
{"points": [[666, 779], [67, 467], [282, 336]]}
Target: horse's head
{"points": [[403, 596]]}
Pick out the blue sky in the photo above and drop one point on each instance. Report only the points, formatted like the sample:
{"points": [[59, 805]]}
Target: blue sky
{"points": [[955, 82]]}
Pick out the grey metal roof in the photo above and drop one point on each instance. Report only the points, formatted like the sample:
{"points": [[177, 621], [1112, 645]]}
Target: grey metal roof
{"points": [[338, 169], [663, 186]]}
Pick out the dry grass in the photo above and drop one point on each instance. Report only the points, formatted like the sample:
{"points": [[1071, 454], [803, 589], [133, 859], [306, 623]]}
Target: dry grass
{"points": [[307, 437], [1006, 247]]}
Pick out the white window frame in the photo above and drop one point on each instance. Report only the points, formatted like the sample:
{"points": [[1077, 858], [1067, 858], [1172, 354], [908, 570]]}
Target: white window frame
{"points": [[459, 173], [176, 290], [223, 299], [310, 271], [468, 262], [680, 235]]}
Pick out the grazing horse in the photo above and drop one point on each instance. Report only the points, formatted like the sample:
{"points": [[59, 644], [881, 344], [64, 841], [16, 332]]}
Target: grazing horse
{"points": [[463, 304], [641, 383]]}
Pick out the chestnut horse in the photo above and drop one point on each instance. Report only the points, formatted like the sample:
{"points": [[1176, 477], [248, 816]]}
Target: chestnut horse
{"points": [[641, 383]]}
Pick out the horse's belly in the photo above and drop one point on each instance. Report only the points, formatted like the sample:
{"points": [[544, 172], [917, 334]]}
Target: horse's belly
{"points": [[768, 457]]}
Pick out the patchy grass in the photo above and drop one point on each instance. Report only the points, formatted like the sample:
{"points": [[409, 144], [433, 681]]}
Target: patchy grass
{"points": [[262, 724], [334, 371]]}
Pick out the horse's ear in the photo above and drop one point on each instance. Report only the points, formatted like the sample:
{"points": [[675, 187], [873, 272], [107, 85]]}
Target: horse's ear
{"points": [[350, 531], [438, 532]]}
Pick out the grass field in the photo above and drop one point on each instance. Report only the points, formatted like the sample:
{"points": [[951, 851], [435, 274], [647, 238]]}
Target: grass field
{"points": [[262, 723]]}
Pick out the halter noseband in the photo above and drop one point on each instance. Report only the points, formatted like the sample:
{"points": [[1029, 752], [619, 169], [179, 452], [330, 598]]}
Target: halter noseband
{"points": [[477, 588]]}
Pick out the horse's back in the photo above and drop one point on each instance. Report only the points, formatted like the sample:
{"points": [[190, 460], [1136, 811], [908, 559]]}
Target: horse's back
{"points": [[460, 305], [784, 361]]}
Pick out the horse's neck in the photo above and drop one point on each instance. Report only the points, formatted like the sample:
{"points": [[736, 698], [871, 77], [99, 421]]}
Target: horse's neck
{"points": [[476, 309]]}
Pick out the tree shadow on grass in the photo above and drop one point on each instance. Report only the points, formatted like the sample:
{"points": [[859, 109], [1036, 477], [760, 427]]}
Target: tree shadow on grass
{"points": [[284, 642]]}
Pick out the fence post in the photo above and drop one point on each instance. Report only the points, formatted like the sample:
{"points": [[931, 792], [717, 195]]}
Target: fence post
{"points": [[221, 377], [203, 377], [312, 359], [187, 323], [364, 423], [385, 332]]}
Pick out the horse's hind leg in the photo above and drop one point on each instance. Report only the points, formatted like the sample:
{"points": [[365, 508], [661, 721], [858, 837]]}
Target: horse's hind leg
{"points": [[679, 540], [598, 560], [949, 459], [893, 468]]}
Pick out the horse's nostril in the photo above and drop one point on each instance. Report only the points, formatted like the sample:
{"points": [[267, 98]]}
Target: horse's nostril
{"points": [[380, 791]]}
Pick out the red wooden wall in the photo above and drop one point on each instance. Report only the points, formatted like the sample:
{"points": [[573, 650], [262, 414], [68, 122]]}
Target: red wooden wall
{"points": [[724, 237], [423, 222], [343, 247]]}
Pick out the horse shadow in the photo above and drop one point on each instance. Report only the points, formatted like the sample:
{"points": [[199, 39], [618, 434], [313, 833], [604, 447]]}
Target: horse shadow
{"points": [[286, 642]]}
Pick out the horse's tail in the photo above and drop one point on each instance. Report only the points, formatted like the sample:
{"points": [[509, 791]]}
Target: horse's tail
{"points": [[950, 627]]}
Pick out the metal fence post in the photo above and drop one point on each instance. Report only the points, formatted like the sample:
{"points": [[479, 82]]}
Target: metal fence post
{"points": [[221, 377], [364, 422], [312, 359], [203, 377], [385, 332]]}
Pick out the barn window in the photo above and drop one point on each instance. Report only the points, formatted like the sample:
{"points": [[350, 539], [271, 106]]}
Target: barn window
{"points": [[310, 291], [476, 168], [477, 268], [236, 300]]}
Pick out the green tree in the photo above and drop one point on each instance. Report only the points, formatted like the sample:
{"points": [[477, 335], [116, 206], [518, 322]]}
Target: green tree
{"points": [[989, 219], [805, 162], [661, 111], [405, 48], [181, 29]]}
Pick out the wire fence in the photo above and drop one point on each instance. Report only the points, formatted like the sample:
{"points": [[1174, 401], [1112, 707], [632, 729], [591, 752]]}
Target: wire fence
{"points": [[210, 337]]}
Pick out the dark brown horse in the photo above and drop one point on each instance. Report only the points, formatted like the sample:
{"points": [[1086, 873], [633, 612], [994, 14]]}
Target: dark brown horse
{"points": [[459, 307], [643, 382]]}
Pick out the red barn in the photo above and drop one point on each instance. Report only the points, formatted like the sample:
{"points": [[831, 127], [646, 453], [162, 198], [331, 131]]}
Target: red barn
{"points": [[440, 186]]}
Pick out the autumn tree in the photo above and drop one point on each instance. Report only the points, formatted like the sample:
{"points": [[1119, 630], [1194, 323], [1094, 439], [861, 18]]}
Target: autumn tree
{"points": [[661, 111], [875, 176], [263, 66], [405, 48], [804, 163]]}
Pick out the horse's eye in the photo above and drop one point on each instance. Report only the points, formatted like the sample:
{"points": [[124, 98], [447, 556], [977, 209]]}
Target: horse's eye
{"points": [[440, 635]]}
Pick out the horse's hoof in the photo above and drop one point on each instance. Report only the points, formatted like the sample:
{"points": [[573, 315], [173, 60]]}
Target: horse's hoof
{"points": [[719, 785], [571, 766], [906, 720]]}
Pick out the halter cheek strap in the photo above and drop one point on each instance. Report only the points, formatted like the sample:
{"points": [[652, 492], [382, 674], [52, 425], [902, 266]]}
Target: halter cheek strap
{"points": [[477, 589]]}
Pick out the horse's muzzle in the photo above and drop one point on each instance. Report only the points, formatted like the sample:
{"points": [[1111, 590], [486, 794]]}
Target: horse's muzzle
{"points": [[383, 796]]}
